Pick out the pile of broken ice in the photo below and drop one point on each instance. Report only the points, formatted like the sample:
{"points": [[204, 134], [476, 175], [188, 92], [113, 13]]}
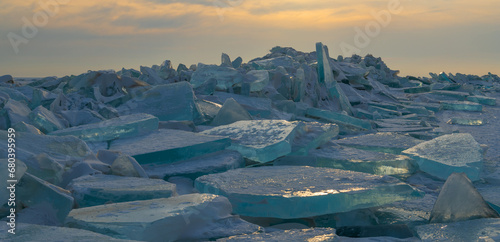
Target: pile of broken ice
{"points": [[291, 146]]}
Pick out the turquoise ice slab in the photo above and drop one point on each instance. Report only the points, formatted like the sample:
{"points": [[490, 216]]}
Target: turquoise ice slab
{"points": [[34, 232], [341, 119], [447, 154], [381, 142], [301, 191], [260, 107], [466, 121], [190, 217], [219, 161], [420, 89], [259, 140], [345, 158], [102, 189], [483, 100], [45, 120], [314, 234], [169, 145], [231, 112], [121, 127], [5, 176], [174, 101], [487, 229], [312, 136], [226, 76], [462, 106]]}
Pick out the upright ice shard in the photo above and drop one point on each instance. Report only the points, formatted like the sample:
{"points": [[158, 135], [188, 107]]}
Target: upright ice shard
{"points": [[286, 192], [259, 140], [459, 200], [393, 143], [231, 112], [45, 120], [447, 154], [103, 189], [182, 218], [167, 102], [325, 76], [121, 127], [169, 145]]}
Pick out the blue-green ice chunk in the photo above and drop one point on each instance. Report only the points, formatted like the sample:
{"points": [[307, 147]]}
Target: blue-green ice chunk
{"points": [[313, 136], [167, 102], [81, 117], [121, 127], [466, 121], [381, 142], [345, 158], [301, 191], [37, 194], [20, 168], [462, 106], [217, 162], [313, 234], [17, 112], [325, 76], [487, 229], [231, 112], [259, 140], [16, 94], [34, 232], [190, 217], [103, 189], [345, 122], [459, 200], [483, 100], [45, 120], [169, 145], [259, 79], [447, 154], [226, 76], [260, 107]]}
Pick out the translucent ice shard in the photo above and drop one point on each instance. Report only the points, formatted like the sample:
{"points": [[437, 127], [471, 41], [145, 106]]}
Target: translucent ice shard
{"points": [[217, 162], [260, 107], [167, 102], [20, 169], [345, 122], [231, 112], [483, 100], [315, 234], [285, 191], [325, 76], [459, 200], [121, 127], [345, 158], [187, 217], [447, 154], [466, 121], [102, 189], [313, 136], [17, 112], [462, 106], [169, 145], [50, 200], [381, 142], [474, 230], [259, 79], [226, 76], [259, 140], [45, 120], [33, 232]]}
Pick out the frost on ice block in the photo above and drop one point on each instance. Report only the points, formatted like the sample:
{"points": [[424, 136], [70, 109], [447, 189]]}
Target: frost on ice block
{"points": [[33, 232], [447, 154], [459, 200], [346, 158], [301, 191], [169, 145], [487, 229], [381, 142], [314, 234], [101, 189], [219, 161], [259, 140], [167, 102], [187, 217], [121, 127]]}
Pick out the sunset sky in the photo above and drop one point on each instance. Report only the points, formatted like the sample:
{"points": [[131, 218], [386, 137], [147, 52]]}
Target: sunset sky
{"points": [[424, 36]]}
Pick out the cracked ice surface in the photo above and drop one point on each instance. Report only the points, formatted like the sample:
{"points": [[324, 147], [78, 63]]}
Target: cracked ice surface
{"points": [[301, 191]]}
